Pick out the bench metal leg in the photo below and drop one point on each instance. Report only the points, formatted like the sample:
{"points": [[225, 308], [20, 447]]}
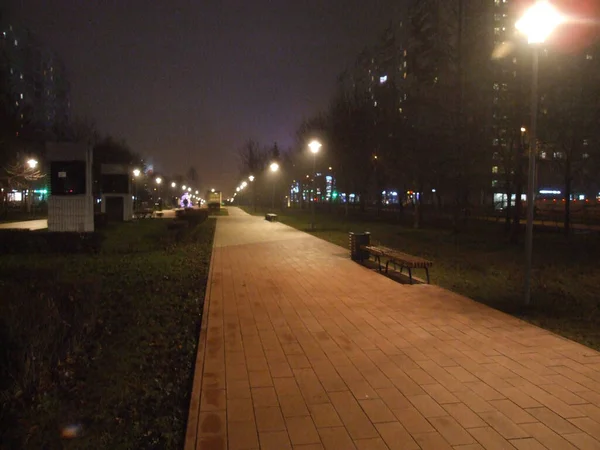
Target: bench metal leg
{"points": [[427, 272], [386, 265], [410, 275]]}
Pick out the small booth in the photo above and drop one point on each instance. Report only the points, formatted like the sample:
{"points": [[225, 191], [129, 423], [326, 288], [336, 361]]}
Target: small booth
{"points": [[116, 200], [71, 202]]}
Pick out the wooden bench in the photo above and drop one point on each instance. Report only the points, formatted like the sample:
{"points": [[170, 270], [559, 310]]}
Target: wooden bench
{"points": [[271, 217], [400, 259]]}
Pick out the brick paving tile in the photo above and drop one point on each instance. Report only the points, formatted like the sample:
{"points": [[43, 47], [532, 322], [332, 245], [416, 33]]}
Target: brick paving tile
{"points": [[336, 438], [464, 416], [451, 430], [301, 430], [274, 440], [371, 444], [527, 444], [396, 436], [241, 436], [468, 447], [432, 441], [302, 348], [583, 441], [546, 436], [490, 439], [324, 415], [515, 413]]}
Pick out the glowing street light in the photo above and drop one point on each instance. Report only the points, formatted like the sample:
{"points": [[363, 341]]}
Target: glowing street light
{"points": [[197, 192], [184, 187], [136, 172], [189, 189], [158, 180], [244, 184], [274, 167], [173, 184], [237, 189], [32, 163], [251, 178], [523, 129], [538, 23], [212, 190]]}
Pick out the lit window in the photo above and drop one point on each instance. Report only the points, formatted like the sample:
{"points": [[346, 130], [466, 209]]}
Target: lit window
{"points": [[589, 57], [495, 141], [404, 63], [496, 86], [585, 155], [495, 169], [374, 103], [405, 75], [558, 155], [543, 155], [400, 110], [16, 42], [382, 79], [586, 142], [21, 96], [514, 60]]}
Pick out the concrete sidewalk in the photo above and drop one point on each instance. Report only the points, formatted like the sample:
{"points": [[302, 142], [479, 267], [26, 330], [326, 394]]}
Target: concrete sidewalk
{"points": [[40, 224], [302, 348]]}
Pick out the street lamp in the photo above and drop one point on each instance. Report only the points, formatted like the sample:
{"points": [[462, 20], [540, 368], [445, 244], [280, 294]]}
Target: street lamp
{"points": [[158, 180], [251, 178], [136, 172], [32, 163], [184, 187], [314, 147], [173, 184], [538, 23], [274, 168]]}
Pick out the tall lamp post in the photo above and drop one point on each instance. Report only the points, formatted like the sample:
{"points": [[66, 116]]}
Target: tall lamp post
{"points": [[136, 174], [538, 23], [274, 168], [253, 194], [314, 147]]}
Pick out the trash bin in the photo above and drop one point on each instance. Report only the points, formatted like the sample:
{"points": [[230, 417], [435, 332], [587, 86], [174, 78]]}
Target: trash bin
{"points": [[356, 240]]}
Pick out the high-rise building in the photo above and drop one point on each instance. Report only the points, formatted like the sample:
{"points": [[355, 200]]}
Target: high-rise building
{"points": [[35, 79]]}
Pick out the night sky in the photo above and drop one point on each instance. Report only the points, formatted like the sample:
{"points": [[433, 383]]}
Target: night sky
{"points": [[187, 82]]}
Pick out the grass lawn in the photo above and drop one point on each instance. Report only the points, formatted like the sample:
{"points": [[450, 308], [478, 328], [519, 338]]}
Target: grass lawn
{"points": [[480, 264], [131, 317]]}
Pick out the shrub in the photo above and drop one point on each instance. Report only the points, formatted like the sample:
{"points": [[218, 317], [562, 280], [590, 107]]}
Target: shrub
{"points": [[100, 220], [26, 241], [192, 216]]}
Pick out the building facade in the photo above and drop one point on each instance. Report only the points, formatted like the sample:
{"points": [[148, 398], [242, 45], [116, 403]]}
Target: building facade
{"points": [[35, 79]]}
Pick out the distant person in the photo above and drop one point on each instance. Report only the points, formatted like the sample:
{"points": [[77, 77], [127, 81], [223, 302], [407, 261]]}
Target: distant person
{"points": [[185, 202]]}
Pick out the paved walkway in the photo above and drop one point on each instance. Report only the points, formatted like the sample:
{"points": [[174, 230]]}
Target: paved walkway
{"points": [[40, 224], [302, 348]]}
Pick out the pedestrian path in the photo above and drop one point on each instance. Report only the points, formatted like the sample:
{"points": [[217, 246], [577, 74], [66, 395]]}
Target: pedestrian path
{"points": [[40, 224], [302, 348]]}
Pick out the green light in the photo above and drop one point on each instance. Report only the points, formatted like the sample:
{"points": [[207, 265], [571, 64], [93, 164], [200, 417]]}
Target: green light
{"points": [[41, 191], [334, 195]]}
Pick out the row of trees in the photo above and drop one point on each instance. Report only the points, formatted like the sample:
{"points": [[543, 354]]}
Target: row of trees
{"points": [[450, 114]]}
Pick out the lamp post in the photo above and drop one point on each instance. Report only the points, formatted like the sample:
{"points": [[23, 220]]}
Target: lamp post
{"points": [[314, 147], [136, 174], [253, 193], [274, 168], [538, 23]]}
